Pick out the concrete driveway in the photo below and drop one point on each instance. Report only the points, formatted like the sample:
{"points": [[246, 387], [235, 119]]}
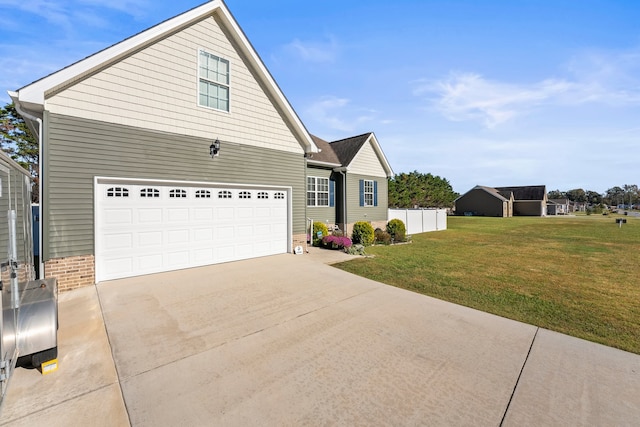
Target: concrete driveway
{"points": [[289, 340]]}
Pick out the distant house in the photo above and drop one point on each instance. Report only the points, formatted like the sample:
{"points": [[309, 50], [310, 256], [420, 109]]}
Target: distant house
{"points": [[503, 201], [485, 201], [558, 206]]}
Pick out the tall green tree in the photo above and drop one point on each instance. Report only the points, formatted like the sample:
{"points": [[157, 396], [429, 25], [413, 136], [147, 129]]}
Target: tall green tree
{"points": [[18, 142], [577, 195], [415, 189], [556, 194]]}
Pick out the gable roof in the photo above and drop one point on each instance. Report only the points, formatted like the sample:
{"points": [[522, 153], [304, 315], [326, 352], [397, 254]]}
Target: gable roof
{"points": [[342, 152], [530, 192], [31, 98], [492, 191], [348, 148], [326, 155], [560, 201]]}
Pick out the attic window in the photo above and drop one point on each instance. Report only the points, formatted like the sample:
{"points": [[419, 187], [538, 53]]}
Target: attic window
{"points": [[213, 81]]}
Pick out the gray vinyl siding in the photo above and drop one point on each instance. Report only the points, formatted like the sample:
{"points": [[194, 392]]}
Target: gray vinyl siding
{"points": [[355, 212], [80, 149], [326, 214]]}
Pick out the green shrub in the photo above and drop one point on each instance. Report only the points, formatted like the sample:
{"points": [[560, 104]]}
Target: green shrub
{"points": [[382, 237], [397, 230], [318, 227], [362, 233]]}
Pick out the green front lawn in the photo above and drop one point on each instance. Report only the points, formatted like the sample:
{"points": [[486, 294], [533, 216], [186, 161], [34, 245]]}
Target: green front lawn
{"points": [[575, 275]]}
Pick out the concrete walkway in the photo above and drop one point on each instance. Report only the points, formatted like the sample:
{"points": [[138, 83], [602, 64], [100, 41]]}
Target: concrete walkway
{"points": [[289, 340]]}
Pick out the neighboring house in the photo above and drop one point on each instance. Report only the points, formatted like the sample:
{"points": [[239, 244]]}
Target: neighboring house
{"points": [[485, 201], [503, 201], [175, 148], [578, 206], [558, 207], [347, 182]]}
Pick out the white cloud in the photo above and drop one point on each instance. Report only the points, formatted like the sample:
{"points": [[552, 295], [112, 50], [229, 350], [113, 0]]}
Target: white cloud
{"points": [[135, 8], [469, 96], [314, 51], [336, 114], [608, 79]]}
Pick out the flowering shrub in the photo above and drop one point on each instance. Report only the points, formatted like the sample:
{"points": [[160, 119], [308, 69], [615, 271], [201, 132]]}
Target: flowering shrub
{"points": [[318, 229], [336, 242]]}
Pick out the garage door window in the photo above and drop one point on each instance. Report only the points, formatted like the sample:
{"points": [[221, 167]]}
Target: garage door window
{"points": [[203, 194], [149, 192], [278, 196], [118, 192], [178, 193], [263, 195], [244, 195], [224, 194]]}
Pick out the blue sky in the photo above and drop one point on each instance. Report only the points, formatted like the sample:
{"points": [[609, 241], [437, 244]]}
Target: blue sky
{"points": [[486, 92]]}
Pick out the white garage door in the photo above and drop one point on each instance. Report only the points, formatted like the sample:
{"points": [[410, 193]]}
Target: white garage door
{"points": [[144, 228]]}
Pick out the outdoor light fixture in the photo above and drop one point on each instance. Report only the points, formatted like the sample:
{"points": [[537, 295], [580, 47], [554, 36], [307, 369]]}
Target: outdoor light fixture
{"points": [[214, 148]]}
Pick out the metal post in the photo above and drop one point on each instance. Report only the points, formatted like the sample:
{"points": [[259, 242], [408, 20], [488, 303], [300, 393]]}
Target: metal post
{"points": [[13, 260]]}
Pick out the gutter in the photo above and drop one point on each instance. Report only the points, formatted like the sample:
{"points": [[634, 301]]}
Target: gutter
{"points": [[16, 102]]}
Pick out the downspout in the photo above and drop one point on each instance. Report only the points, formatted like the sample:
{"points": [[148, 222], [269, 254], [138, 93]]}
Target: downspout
{"points": [[40, 184]]}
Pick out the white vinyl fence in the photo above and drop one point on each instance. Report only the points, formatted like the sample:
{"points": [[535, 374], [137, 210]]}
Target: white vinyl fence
{"points": [[421, 220]]}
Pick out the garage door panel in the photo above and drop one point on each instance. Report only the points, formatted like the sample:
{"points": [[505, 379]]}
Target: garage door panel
{"points": [[204, 256], [149, 216], [118, 216], [144, 228], [203, 214], [244, 213], [244, 231], [149, 238], [203, 234], [178, 236], [119, 266], [150, 262], [225, 213], [118, 241], [225, 232], [179, 215], [177, 259]]}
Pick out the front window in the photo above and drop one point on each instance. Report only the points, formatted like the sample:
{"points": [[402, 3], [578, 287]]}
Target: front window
{"points": [[213, 81], [317, 191], [368, 193]]}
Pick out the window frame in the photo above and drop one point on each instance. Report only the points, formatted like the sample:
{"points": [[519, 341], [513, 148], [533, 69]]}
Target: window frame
{"points": [[213, 82], [366, 194], [317, 192]]}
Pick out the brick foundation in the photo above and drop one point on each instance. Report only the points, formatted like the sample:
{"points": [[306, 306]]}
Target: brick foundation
{"points": [[71, 272], [24, 273], [299, 240]]}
